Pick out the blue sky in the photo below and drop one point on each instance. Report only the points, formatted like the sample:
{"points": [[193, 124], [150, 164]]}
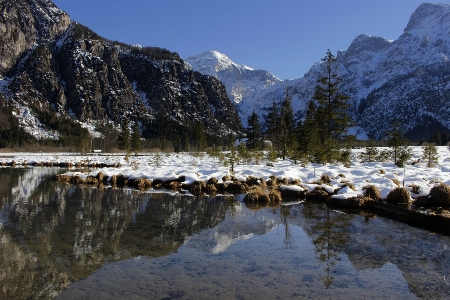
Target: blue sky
{"points": [[285, 37]]}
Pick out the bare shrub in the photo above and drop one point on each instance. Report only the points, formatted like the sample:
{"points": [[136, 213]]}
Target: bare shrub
{"points": [[398, 195]]}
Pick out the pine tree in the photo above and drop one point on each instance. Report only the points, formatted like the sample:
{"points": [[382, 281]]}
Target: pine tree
{"points": [[285, 128], [199, 136], [254, 132], [399, 152], [371, 151], [331, 115], [272, 120], [136, 138], [308, 133], [430, 154], [124, 136]]}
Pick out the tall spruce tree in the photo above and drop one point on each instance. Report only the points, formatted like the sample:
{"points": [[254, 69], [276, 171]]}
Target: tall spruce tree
{"points": [[136, 138], [254, 140], [199, 136], [271, 121], [308, 133], [124, 136], [286, 126], [331, 114]]}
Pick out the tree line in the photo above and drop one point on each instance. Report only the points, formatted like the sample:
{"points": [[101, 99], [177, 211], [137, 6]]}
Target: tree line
{"points": [[316, 137]]}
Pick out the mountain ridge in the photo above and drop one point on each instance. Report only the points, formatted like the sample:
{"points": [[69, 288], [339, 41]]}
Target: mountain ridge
{"points": [[382, 77], [55, 67]]}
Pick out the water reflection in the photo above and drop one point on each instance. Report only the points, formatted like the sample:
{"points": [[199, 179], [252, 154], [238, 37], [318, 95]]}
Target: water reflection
{"points": [[89, 243]]}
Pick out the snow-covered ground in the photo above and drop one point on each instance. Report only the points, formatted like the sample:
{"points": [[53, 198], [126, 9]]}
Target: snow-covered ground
{"points": [[202, 167]]}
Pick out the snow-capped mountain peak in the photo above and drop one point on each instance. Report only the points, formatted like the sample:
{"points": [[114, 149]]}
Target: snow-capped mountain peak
{"points": [[432, 20], [213, 62], [241, 81], [406, 80]]}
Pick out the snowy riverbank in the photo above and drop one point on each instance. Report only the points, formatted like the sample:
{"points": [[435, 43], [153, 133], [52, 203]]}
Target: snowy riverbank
{"points": [[203, 167]]}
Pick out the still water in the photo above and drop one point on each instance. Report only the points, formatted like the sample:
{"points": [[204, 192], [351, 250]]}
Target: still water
{"points": [[67, 242]]}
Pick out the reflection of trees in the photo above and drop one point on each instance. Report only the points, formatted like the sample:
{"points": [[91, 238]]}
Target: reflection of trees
{"points": [[327, 229], [285, 213], [63, 233]]}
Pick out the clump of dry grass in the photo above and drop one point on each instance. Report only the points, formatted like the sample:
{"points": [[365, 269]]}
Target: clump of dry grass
{"points": [[440, 194], [372, 192], [396, 181], [226, 178], [325, 179], [415, 188], [350, 185], [261, 195], [398, 195]]}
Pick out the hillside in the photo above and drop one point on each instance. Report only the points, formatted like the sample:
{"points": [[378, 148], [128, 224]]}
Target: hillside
{"points": [[53, 68]]}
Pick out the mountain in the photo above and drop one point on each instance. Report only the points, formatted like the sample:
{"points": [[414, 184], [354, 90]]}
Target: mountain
{"points": [[52, 67], [406, 80]]}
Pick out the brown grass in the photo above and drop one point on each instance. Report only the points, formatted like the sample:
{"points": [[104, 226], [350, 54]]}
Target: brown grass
{"points": [[398, 195], [372, 192], [257, 194], [396, 181], [440, 194], [350, 185]]}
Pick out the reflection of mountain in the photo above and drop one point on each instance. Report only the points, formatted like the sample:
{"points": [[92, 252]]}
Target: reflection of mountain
{"points": [[65, 233], [240, 224]]}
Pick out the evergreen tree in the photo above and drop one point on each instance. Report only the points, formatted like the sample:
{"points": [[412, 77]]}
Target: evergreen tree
{"points": [[185, 142], [399, 152], [124, 136], [271, 121], [371, 151], [436, 137], [199, 136], [444, 138], [136, 138], [331, 114], [286, 128], [430, 154], [254, 132], [308, 133]]}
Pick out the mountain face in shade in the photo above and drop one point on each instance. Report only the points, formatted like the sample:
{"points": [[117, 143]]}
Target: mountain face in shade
{"points": [[52, 64]]}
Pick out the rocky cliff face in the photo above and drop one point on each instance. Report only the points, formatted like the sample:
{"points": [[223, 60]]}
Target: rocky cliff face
{"points": [[406, 80], [49, 63], [24, 23]]}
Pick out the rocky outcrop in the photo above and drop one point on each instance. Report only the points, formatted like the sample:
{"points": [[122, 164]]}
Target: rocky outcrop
{"points": [[24, 23]]}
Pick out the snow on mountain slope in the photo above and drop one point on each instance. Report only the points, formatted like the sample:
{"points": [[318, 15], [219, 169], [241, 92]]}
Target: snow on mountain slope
{"points": [[243, 84], [407, 80]]}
